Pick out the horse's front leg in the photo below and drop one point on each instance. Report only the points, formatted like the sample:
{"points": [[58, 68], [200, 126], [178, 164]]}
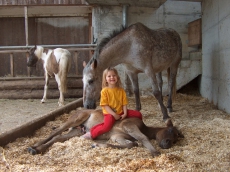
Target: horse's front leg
{"points": [[61, 97], [45, 87], [157, 94], [134, 79], [160, 83]]}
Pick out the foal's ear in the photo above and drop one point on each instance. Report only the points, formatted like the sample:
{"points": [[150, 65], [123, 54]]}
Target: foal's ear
{"points": [[169, 123], [94, 64]]}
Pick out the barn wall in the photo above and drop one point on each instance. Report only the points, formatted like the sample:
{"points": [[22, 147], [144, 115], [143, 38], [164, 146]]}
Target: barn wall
{"points": [[215, 81], [47, 25], [171, 14]]}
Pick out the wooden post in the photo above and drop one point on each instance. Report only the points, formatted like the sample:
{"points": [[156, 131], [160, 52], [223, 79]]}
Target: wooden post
{"points": [[28, 68], [12, 64], [76, 61]]}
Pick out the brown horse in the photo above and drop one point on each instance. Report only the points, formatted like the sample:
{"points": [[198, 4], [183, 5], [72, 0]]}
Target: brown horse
{"points": [[138, 49], [125, 132], [56, 63]]}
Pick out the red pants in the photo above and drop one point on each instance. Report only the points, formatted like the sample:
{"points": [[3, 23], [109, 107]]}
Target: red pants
{"points": [[109, 120]]}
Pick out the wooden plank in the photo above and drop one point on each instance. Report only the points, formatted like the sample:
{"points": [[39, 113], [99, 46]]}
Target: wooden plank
{"points": [[194, 33], [37, 84], [37, 94]]}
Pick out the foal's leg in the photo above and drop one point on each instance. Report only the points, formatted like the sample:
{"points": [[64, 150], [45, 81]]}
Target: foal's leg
{"points": [[45, 87], [59, 138], [135, 132], [61, 98], [124, 140]]}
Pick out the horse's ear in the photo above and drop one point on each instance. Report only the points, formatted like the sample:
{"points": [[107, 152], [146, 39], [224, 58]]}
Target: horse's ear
{"points": [[180, 134], [84, 64], [94, 64], [35, 47], [169, 123]]}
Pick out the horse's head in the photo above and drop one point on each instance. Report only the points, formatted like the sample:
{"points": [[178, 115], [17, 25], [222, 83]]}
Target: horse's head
{"points": [[91, 84], [32, 60], [168, 136]]}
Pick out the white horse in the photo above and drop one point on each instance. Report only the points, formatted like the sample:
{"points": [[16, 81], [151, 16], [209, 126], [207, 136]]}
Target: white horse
{"points": [[56, 63]]}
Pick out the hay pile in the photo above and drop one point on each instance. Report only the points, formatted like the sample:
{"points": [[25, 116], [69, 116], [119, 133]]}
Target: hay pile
{"points": [[204, 148]]}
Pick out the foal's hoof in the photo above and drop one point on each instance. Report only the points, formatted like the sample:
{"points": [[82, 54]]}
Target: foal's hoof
{"points": [[156, 153], [32, 151]]}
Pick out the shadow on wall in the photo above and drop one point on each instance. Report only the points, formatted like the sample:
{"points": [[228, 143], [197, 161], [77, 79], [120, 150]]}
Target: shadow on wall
{"points": [[192, 88]]}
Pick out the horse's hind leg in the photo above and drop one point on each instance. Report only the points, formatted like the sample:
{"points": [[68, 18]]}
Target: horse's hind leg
{"points": [[61, 97], [172, 72], [45, 87]]}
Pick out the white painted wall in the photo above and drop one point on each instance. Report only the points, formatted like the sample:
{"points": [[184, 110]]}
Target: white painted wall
{"points": [[171, 14], [215, 80]]}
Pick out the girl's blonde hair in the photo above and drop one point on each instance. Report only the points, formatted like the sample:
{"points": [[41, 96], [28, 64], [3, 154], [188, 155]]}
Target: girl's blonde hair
{"points": [[104, 83]]}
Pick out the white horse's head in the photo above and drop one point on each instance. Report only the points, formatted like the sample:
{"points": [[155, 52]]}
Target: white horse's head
{"points": [[92, 80], [32, 60]]}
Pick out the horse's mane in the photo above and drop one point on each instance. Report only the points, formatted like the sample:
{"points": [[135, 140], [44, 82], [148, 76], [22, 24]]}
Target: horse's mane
{"points": [[105, 40]]}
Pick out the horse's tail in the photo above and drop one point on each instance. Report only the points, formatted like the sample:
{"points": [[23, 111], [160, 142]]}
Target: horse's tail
{"points": [[174, 86], [64, 69]]}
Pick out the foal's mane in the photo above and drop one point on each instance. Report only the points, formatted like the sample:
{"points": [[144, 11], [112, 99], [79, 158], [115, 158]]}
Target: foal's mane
{"points": [[104, 41]]}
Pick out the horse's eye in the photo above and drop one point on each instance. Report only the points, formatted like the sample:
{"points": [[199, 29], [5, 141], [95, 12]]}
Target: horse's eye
{"points": [[90, 81]]}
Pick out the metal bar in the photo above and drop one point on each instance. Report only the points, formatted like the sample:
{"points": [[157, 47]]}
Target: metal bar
{"points": [[26, 50], [26, 24], [124, 15], [48, 46]]}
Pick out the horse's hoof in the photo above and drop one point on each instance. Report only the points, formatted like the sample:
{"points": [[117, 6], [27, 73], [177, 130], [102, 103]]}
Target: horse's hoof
{"points": [[32, 151], [60, 104], [166, 119], [94, 145], [170, 110]]}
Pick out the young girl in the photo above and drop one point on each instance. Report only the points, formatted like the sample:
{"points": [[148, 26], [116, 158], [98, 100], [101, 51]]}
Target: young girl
{"points": [[113, 102]]}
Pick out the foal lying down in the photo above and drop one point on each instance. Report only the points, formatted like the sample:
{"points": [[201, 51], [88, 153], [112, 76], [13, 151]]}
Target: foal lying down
{"points": [[125, 132]]}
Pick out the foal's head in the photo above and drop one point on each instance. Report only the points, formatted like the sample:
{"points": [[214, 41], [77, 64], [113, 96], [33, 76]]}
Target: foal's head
{"points": [[32, 60], [168, 136]]}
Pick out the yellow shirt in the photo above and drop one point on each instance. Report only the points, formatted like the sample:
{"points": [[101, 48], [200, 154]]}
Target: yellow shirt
{"points": [[115, 98]]}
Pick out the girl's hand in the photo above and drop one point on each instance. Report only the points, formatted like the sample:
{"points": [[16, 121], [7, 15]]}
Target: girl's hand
{"points": [[117, 117], [123, 116]]}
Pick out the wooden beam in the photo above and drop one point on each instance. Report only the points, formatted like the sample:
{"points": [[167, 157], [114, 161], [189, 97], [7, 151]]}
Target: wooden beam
{"points": [[29, 128]]}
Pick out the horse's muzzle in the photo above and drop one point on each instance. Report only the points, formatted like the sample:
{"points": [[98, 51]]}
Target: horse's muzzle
{"points": [[166, 143], [90, 105]]}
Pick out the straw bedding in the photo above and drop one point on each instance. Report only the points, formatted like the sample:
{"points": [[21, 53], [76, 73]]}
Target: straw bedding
{"points": [[204, 148]]}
